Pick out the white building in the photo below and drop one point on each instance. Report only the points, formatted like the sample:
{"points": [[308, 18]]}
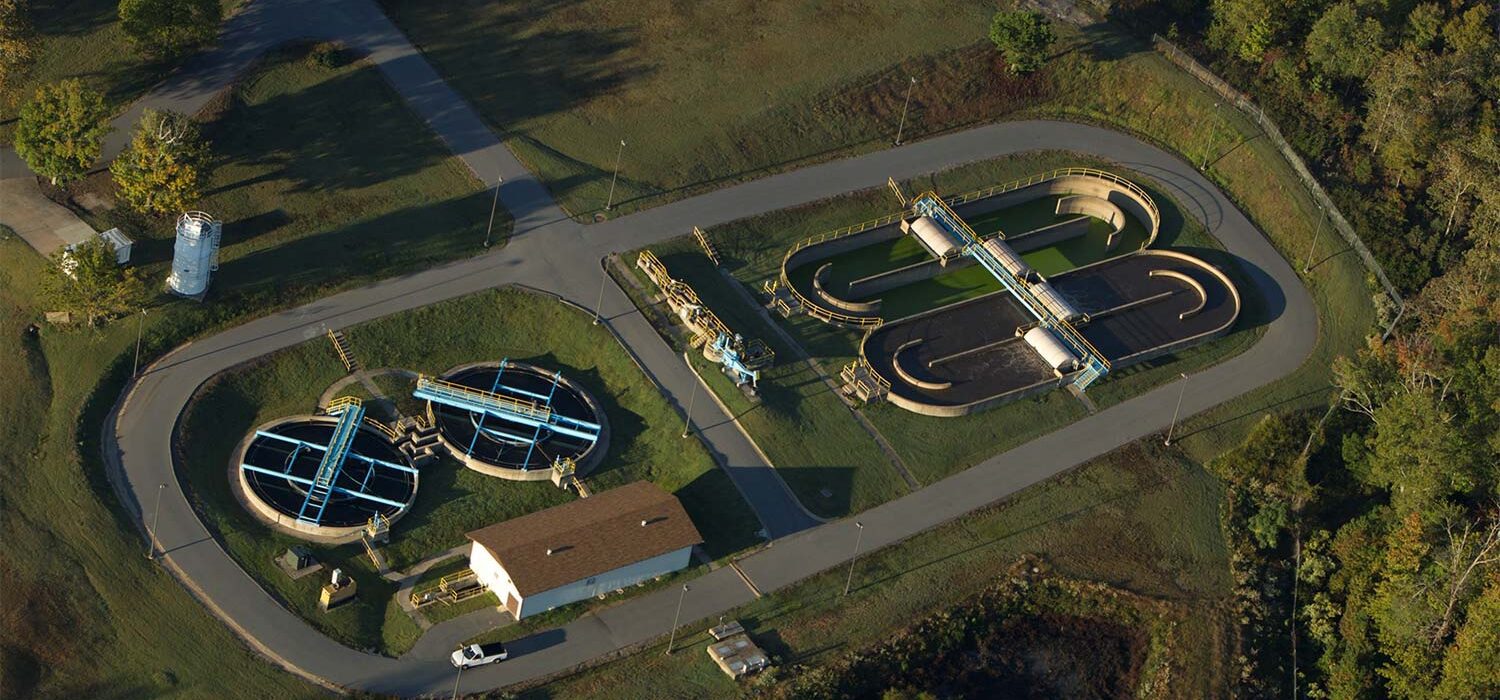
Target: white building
{"points": [[588, 547]]}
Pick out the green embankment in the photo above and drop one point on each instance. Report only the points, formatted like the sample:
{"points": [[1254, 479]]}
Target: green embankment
{"points": [[451, 500]]}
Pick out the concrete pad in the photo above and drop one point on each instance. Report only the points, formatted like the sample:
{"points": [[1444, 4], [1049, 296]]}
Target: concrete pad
{"points": [[43, 223]]}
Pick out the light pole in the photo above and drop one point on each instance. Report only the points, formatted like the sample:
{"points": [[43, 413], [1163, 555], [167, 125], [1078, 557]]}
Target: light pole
{"points": [[140, 326], [1322, 217], [1177, 410], [603, 273], [155, 516], [610, 202], [692, 398], [850, 581], [1211, 134], [495, 202], [904, 105], [673, 640], [456, 680]]}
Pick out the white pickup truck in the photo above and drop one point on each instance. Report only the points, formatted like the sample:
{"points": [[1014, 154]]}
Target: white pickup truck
{"points": [[479, 655]]}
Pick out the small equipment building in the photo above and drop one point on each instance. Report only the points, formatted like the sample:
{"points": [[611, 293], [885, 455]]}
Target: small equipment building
{"points": [[589, 547]]}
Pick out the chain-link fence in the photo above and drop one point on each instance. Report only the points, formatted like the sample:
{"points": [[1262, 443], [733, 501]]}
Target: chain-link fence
{"points": [[1243, 102]]}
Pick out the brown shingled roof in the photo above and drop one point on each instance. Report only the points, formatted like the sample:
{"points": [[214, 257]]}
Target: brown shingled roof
{"points": [[588, 536]]}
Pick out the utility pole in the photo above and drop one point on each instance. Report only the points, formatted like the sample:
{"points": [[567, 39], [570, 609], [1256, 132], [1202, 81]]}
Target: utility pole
{"points": [[673, 640], [603, 273], [493, 204], [850, 581], [692, 398], [904, 105], [1177, 410], [151, 543], [140, 326], [1322, 217], [610, 202], [456, 680], [1210, 150]]}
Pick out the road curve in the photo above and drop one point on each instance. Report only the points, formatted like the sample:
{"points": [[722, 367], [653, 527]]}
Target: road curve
{"points": [[550, 252]]}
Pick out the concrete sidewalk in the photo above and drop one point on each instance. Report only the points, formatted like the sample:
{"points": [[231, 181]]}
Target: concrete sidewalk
{"points": [[41, 222]]}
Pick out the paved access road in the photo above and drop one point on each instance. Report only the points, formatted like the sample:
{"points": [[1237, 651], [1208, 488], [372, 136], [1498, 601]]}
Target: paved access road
{"points": [[550, 252]]}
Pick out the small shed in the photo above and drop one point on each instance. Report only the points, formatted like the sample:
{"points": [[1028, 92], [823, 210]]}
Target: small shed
{"points": [[120, 242]]}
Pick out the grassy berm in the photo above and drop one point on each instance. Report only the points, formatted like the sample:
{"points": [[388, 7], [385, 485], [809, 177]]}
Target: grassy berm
{"points": [[451, 500]]}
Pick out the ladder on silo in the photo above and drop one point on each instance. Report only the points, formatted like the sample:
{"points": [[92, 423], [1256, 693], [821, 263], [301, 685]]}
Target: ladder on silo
{"points": [[346, 354]]}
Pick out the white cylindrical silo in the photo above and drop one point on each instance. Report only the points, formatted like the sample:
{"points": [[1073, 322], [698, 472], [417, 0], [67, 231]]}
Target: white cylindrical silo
{"points": [[195, 254]]}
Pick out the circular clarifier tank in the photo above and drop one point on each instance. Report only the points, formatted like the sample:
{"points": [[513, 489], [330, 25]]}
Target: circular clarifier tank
{"points": [[279, 466], [521, 447]]}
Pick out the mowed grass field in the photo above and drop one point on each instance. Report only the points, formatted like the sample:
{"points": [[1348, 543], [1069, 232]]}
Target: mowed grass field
{"points": [[323, 178], [85, 615], [83, 39], [703, 93], [1140, 518], [451, 500]]}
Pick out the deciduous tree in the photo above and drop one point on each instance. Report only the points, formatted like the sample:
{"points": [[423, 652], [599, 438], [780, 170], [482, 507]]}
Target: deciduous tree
{"points": [[86, 281], [61, 130], [170, 28], [1471, 668], [163, 169], [1023, 37], [1343, 44]]}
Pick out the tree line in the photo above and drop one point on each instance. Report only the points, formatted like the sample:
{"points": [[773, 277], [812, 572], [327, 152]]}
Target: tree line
{"points": [[1392, 102]]}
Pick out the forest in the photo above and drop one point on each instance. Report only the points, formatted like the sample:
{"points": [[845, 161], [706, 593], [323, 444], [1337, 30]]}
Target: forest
{"points": [[1366, 539]]}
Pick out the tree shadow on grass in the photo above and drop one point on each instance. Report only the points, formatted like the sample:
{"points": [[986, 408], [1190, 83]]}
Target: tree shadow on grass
{"points": [[347, 130], [382, 246], [504, 59]]}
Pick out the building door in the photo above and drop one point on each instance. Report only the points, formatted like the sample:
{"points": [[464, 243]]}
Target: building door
{"points": [[513, 605]]}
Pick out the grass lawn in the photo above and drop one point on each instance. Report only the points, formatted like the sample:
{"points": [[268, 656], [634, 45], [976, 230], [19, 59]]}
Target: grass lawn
{"points": [[451, 500], [323, 178], [1140, 519], [82, 597], [83, 39], [797, 420], [805, 428], [747, 89]]}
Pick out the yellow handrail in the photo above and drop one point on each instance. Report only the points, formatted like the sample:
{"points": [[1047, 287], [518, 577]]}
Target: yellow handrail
{"points": [[382, 427], [1053, 175], [342, 403], [522, 406], [681, 293]]}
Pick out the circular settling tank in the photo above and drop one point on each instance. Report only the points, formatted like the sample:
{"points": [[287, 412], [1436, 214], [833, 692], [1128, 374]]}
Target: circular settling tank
{"points": [[281, 464], [516, 450]]}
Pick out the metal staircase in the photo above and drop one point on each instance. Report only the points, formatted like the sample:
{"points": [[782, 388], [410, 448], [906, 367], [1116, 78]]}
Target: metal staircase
{"points": [[346, 354], [351, 414]]}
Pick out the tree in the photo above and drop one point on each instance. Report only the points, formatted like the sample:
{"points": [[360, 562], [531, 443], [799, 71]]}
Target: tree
{"points": [[1023, 37], [87, 281], [1247, 28], [1343, 45], [1471, 668], [61, 130], [163, 169], [169, 28], [17, 43]]}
